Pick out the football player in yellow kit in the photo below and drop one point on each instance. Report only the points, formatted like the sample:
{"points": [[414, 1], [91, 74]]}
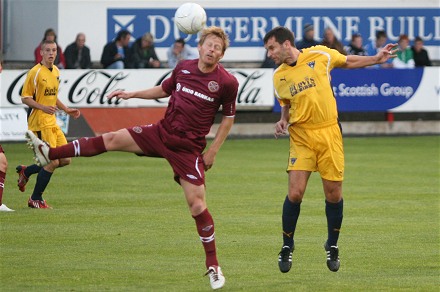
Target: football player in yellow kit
{"points": [[309, 114], [40, 93]]}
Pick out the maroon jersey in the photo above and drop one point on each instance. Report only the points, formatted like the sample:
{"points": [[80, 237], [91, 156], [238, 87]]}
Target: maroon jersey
{"points": [[196, 97]]}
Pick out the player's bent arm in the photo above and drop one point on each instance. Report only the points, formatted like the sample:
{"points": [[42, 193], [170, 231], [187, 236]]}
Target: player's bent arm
{"points": [[282, 125], [30, 102], [150, 93], [220, 137], [70, 111]]}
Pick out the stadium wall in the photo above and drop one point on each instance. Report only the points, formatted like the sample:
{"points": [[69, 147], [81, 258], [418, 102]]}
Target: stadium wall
{"points": [[246, 22], [392, 91]]}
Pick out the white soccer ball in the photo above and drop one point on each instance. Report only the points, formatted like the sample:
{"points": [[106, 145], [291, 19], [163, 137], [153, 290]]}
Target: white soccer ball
{"points": [[190, 18]]}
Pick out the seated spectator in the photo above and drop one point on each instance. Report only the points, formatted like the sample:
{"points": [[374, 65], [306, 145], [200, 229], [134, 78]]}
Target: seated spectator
{"points": [[376, 45], [420, 55], [180, 51], [116, 53], [356, 46], [404, 57], [329, 40], [143, 53], [308, 37], [77, 54], [50, 35]]}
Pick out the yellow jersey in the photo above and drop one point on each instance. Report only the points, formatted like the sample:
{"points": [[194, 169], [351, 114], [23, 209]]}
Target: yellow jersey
{"points": [[305, 86], [42, 85]]}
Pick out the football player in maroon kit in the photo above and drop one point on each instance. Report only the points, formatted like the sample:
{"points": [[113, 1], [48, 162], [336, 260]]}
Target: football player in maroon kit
{"points": [[197, 88]]}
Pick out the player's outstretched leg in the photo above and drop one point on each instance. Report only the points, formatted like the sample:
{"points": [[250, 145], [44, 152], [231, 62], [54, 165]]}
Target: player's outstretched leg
{"points": [[41, 149]]}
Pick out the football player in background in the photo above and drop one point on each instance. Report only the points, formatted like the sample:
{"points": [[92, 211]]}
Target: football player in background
{"points": [[40, 94]]}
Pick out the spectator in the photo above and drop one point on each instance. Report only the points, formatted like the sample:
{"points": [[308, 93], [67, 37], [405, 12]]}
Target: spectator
{"points": [[50, 35], [308, 37], [330, 41], [356, 46], [404, 59], [143, 53], [420, 55], [116, 53], [77, 54], [375, 46], [180, 51]]}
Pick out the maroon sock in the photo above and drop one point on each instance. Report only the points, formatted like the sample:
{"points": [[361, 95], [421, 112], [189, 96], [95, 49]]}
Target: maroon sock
{"points": [[2, 184], [82, 147], [205, 228]]}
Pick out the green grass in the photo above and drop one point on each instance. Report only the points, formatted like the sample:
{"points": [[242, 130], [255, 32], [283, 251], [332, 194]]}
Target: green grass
{"points": [[120, 223]]}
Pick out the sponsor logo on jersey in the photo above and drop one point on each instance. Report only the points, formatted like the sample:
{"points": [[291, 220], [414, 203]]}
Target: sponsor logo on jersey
{"points": [[301, 86], [213, 86], [50, 91], [178, 86], [198, 94]]}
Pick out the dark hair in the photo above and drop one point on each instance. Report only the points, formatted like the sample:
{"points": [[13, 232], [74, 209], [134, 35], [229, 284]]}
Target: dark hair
{"points": [[355, 36], [122, 34], [49, 31], [180, 40], [418, 39], [281, 34], [380, 34]]}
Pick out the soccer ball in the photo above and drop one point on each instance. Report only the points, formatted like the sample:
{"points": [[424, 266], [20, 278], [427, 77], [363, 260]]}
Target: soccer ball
{"points": [[190, 18]]}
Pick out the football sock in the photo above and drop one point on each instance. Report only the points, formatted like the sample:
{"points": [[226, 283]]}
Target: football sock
{"points": [[290, 218], [31, 169], [334, 211], [82, 147], [205, 228], [2, 184], [43, 179]]}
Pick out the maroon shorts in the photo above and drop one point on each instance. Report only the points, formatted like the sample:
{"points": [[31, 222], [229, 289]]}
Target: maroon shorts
{"points": [[183, 154], [1, 149]]}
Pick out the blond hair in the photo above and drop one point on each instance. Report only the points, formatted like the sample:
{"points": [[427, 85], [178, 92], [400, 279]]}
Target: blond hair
{"points": [[216, 31]]}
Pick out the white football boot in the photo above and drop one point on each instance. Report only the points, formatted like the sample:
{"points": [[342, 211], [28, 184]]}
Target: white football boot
{"points": [[216, 277], [41, 149], [4, 208]]}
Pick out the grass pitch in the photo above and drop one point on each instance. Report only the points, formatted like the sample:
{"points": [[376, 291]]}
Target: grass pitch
{"points": [[120, 223]]}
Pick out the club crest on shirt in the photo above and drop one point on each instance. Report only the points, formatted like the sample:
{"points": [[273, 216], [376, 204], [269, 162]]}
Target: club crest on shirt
{"points": [[213, 86], [311, 64], [137, 129]]}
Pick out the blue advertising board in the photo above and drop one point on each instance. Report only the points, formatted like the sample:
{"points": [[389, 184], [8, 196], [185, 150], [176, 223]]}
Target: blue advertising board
{"points": [[363, 90], [247, 27]]}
